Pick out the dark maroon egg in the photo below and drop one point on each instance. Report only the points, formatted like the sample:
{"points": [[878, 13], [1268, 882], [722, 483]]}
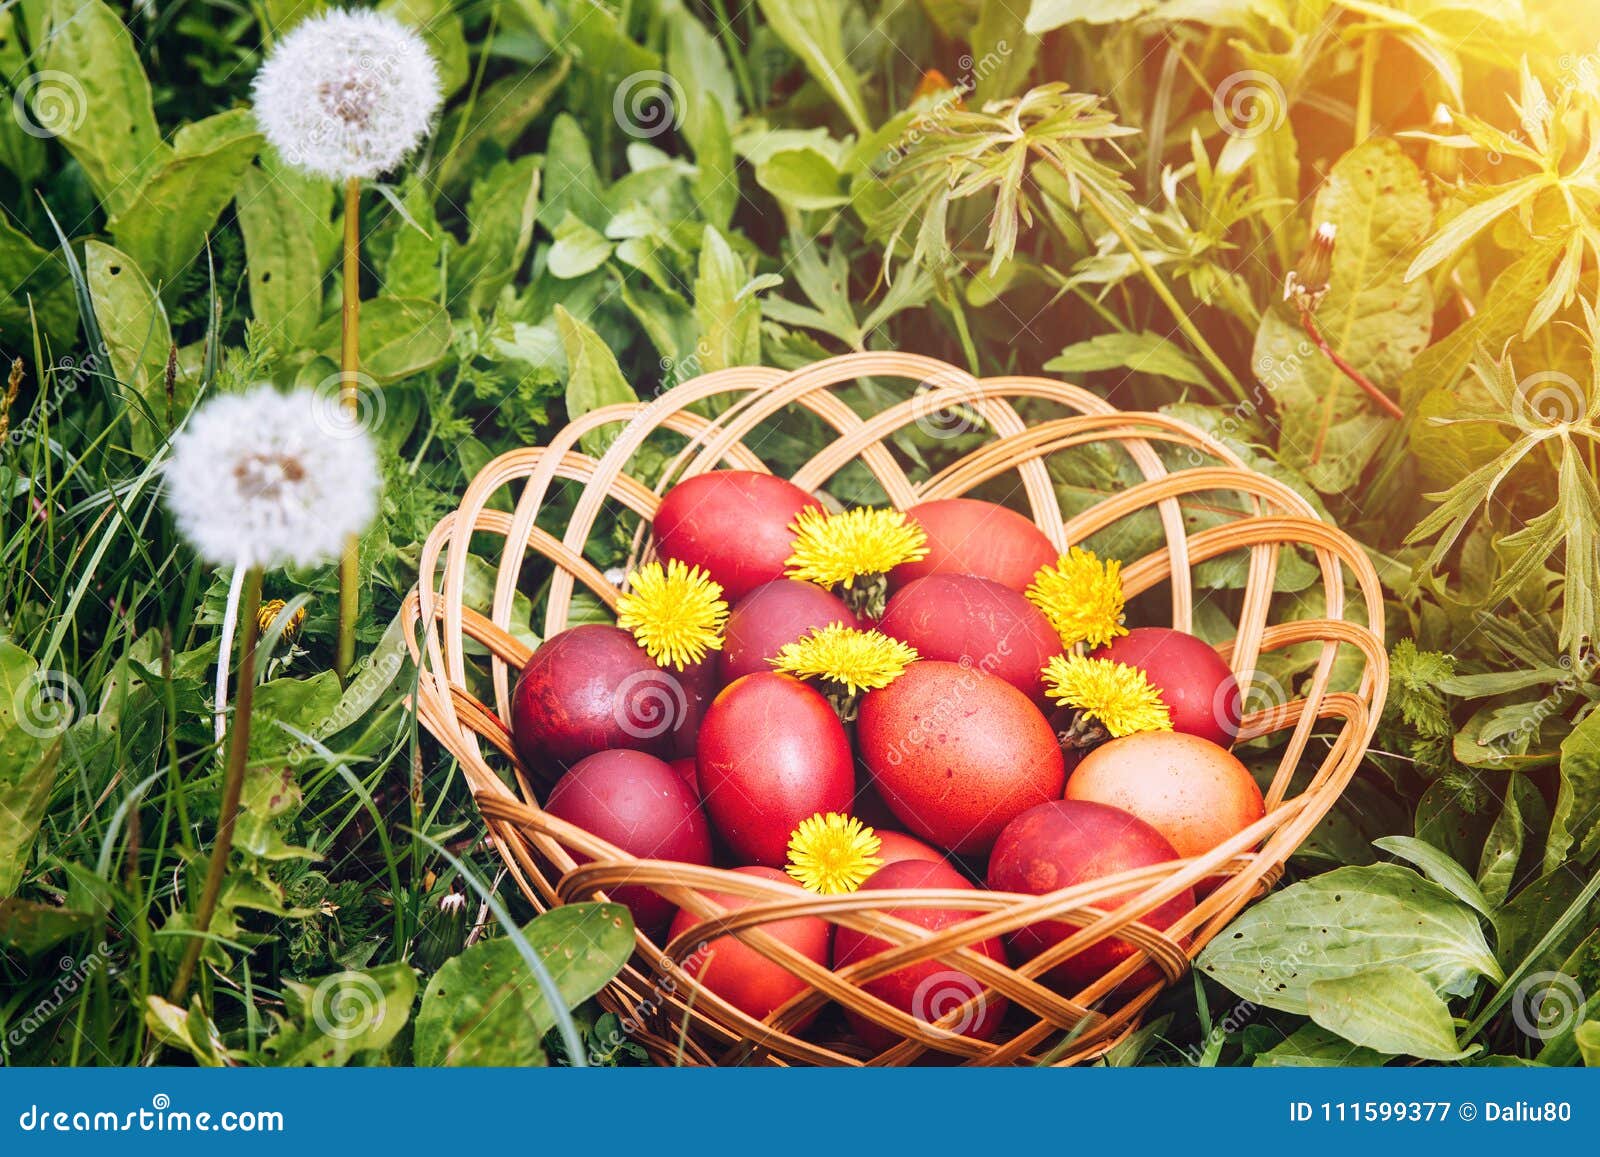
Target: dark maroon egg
{"points": [[772, 753], [641, 805], [977, 622], [685, 767], [1200, 692], [732, 523], [592, 688], [770, 616], [930, 990]]}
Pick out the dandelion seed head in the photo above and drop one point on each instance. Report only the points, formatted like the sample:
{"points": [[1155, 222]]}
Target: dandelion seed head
{"points": [[347, 93], [258, 479]]}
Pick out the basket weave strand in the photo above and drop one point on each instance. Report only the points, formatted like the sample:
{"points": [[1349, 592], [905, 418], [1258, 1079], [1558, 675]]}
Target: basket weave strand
{"points": [[662, 1007]]}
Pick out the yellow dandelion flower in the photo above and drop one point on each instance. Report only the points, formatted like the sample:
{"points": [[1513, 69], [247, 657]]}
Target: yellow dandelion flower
{"points": [[832, 854], [858, 660], [676, 613], [1114, 695], [268, 614], [1082, 597], [834, 549]]}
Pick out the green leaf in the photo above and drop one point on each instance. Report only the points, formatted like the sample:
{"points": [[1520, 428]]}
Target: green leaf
{"points": [[1587, 1036], [29, 272], [439, 25], [716, 178], [1045, 15], [1578, 798], [400, 336], [190, 1030], [1372, 317], [802, 179], [593, 379], [1337, 924], [28, 928], [136, 333], [501, 114], [579, 249], [500, 217], [727, 306], [1438, 867], [36, 708], [163, 227], [485, 1007], [1312, 1046], [103, 112], [343, 1015], [1143, 353], [288, 239], [1387, 1008], [814, 31], [1003, 50], [1502, 847]]}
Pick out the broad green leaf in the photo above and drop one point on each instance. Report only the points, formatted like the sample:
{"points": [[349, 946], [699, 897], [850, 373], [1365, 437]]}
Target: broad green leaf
{"points": [[1312, 1046], [1588, 1038], [28, 928], [1575, 821], [287, 238], [29, 272], [187, 1029], [400, 336], [163, 227], [1143, 353], [21, 152], [696, 61], [727, 307], [593, 379], [439, 25], [304, 704], [340, 1016], [802, 179], [1438, 867], [814, 31], [137, 335], [1374, 319], [36, 708], [93, 95], [716, 178], [1337, 924], [501, 114], [1502, 848], [579, 249], [571, 184], [485, 1007], [500, 217], [1387, 1008], [1003, 50]]}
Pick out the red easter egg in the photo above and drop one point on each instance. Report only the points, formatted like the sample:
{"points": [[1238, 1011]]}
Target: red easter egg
{"points": [[772, 752], [773, 614], [641, 805], [929, 990], [957, 753], [968, 536], [895, 847], [1200, 692], [732, 523], [961, 618], [1066, 842], [741, 975]]}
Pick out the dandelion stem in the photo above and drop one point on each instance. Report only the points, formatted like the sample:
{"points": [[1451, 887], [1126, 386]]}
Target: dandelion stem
{"points": [[232, 785], [1369, 67], [1384, 402], [349, 401]]}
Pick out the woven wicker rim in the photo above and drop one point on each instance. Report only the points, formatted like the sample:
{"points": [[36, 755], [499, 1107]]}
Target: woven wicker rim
{"points": [[678, 1020]]}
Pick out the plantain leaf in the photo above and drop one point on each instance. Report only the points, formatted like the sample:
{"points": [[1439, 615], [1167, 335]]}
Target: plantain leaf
{"points": [[93, 96], [163, 227], [593, 379], [485, 1007], [31, 274], [35, 709], [1143, 353], [1371, 316], [137, 335], [1312, 1046], [1438, 867], [288, 240], [1337, 924], [400, 336], [1573, 830], [1387, 1008], [343, 1015], [1045, 15], [500, 218]]}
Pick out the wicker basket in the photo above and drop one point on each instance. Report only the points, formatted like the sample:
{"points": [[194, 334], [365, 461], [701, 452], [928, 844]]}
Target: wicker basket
{"points": [[661, 1007]]}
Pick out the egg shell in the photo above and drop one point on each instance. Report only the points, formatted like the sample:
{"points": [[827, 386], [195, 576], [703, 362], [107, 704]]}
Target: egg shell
{"points": [[641, 805], [772, 752], [592, 688], [897, 847], [1199, 690], [962, 618], [732, 523], [930, 989], [1067, 842], [770, 616], [1189, 789], [970, 536], [740, 974], [957, 753]]}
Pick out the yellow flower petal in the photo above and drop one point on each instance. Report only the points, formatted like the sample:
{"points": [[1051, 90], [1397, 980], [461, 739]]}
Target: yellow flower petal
{"points": [[1082, 597], [676, 614], [1116, 696], [859, 660], [834, 549], [832, 854]]}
